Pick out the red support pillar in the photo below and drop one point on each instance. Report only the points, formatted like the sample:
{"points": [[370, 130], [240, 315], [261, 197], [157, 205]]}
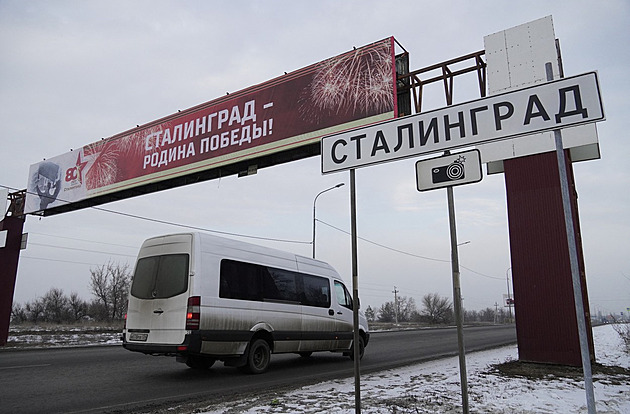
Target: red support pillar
{"points": [[546, 324], [9, 256]]}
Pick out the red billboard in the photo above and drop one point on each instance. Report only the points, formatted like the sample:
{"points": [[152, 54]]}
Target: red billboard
{"points": [[354, 89]]}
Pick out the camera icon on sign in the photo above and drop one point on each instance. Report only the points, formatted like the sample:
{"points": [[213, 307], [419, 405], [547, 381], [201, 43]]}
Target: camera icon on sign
{"points": [[453, 171]]}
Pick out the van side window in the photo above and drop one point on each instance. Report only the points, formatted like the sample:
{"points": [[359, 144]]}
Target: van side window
{"points": [[316, 291], [279, 285], [240, 281], [343, 297], [247, 281], [160, 277]]}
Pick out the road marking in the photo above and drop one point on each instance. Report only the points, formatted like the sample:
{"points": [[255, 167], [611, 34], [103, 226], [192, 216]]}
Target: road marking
{"points": [[26, 366]]}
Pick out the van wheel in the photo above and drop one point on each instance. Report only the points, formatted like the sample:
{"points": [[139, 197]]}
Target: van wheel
{"points": [[199, 362], [361, 349], [258, 357]]}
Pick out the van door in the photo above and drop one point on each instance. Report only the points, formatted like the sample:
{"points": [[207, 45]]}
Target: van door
{"points": [[344, 318], [318, 315], [158, 299]]}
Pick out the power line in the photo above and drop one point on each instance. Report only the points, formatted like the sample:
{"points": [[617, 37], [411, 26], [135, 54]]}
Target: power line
{"points": [[186, 226], [170, 223], [481, 274], [410, 254], [138, 217], [81, 250], [387, 247], [58, 260], [83, 240]]}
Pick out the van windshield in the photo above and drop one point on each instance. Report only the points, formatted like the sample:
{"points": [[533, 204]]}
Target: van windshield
{"points": [[160, 277]]}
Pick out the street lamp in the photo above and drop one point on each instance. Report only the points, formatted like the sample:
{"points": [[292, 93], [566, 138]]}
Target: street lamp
{"points": [[320, 193]]}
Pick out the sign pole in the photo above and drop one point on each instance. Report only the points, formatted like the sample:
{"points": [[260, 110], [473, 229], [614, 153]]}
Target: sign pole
{"points": [[575, 269], [457, 299], [355, 294]]}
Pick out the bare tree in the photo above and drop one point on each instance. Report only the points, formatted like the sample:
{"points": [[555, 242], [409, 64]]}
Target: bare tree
{"points": [[437, 309], [406, 308], [110, 285], [77, 306], [55, 305], [18, 313], [387, 313], [370, 314], [471, 316], [487, 315], [35, 310]]}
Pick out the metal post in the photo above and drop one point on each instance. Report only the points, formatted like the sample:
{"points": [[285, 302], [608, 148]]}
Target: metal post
{"points": [[355, 294], [575, 269], [457, 300], [395, 292], [320, 193], [509, 301]]}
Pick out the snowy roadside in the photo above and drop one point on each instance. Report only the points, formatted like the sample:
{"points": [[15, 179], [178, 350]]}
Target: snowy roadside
{"points": [[433, 387], [495, 386], [59, 336]]}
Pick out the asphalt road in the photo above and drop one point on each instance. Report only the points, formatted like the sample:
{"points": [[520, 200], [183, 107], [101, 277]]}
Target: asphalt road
{"points": [[112, 379]]}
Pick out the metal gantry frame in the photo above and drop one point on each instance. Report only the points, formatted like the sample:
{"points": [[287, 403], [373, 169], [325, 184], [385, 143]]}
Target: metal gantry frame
{"points": [[445, 72], [16, 203]]}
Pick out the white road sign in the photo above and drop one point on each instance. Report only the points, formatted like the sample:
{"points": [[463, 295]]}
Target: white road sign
{"points": [[552, 105], [449, 170]]}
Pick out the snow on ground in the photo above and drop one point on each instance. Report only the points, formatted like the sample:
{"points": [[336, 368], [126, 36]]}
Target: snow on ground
{"points": [[54, 336], [433, 387]]}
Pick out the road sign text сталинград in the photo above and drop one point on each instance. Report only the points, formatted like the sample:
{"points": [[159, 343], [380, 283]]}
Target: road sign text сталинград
{"points": [[552, 105]]}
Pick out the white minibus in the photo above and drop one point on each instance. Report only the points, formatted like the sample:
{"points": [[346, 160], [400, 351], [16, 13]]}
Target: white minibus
{"points": [[204, 298]]}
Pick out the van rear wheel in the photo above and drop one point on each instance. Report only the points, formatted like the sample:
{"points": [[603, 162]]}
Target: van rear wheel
{"points": [[258, 357]]}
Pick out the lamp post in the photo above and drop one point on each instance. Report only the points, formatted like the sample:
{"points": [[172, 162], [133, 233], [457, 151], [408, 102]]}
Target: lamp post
{"points": [[320, 193]]}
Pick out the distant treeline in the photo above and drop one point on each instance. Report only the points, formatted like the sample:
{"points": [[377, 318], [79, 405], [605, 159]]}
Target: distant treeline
{"points": [[109, 285], [436, 310], [110, 282]]}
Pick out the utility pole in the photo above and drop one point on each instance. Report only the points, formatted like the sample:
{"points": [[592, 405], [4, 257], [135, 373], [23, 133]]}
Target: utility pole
{"points": [[395, 292], [496, 310]]}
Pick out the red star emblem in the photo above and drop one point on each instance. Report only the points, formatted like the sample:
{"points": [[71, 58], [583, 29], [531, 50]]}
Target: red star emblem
{"points": [[80, 166]]}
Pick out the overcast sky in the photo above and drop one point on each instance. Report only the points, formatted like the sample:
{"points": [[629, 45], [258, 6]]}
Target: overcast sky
{"points": [[72, 72]]}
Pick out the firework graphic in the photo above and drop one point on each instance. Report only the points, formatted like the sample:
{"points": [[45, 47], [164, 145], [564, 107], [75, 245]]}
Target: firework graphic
{"points": [[358, 83], [104, 169], [133, 144], [109, 156]]}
